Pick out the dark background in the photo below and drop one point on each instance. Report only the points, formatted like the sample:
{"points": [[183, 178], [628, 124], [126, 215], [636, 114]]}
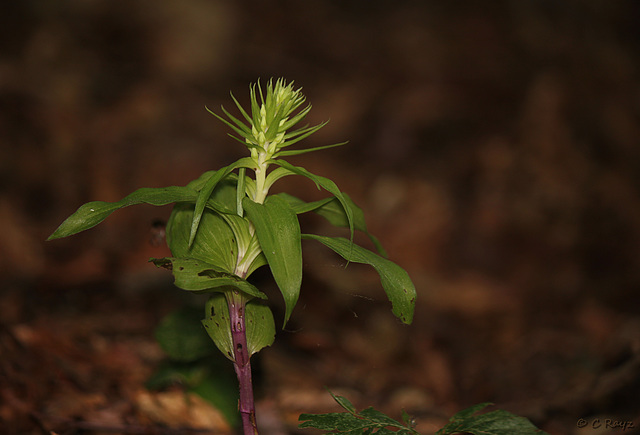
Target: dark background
{"points": [[493, 147]]}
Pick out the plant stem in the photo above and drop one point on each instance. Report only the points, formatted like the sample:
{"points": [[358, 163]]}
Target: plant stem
{"points": [[261, 175], [242, 365]]}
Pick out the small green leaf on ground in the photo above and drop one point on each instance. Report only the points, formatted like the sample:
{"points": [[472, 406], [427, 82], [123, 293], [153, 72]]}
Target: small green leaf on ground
{"points": [[496, 422], [182, 337], [368, 421]]}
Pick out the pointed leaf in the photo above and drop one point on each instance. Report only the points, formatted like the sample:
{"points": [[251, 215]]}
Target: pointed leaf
{"points": [[307, 150], [245, 114], [254, 258], [275, 175], [377, 417], [257, 263], [241, 229], [299, 206], [468, 412], [332, 210], [181, 336], [297, 118], [344, 402], [333, 421], [207, 190], [199, 182], [406, 418], [368, 421], [223, 196], [245, 129], [255, 107], [92, 213], [260, 326], [497, 422], [198, 276], [304, 130], [327, 184], [216, 323], [278, 232], [239, 127], [395, 280], [215, 242], [297, 136]]}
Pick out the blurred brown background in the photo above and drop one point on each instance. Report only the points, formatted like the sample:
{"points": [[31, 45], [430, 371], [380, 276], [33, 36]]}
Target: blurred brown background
{"points": [[494, 148]]}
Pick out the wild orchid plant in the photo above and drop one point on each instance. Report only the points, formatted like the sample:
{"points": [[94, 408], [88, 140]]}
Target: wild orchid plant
{"points": [[225, 225]]}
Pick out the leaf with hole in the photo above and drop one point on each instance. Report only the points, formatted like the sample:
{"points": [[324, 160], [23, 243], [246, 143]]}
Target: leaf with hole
{"points": [[259, 325], [199, 276]]}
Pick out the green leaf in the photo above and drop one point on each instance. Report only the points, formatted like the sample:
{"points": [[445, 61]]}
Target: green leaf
{"points": [[377, 417], [215, 242], [368, 421], [333, 421], [250, 256], [244, 113], [241, 129], [299, 206], [199, 182], [395, 280], [216, 323], [182, 337], [241, 229], [260, 326], [328, 185], [278, 232], [220, 389], [298, 135], [255, 252], [332, 210], [92, 213], [407, 418], [497, 422], [212, 378], [298, 116], [275, 175], [344, 402], [285, 153], [255, 107], [198, 276], [207, 190]]}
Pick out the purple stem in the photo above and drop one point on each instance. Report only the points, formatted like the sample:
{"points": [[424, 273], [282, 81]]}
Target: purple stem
{"points": [[242, 366]]}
